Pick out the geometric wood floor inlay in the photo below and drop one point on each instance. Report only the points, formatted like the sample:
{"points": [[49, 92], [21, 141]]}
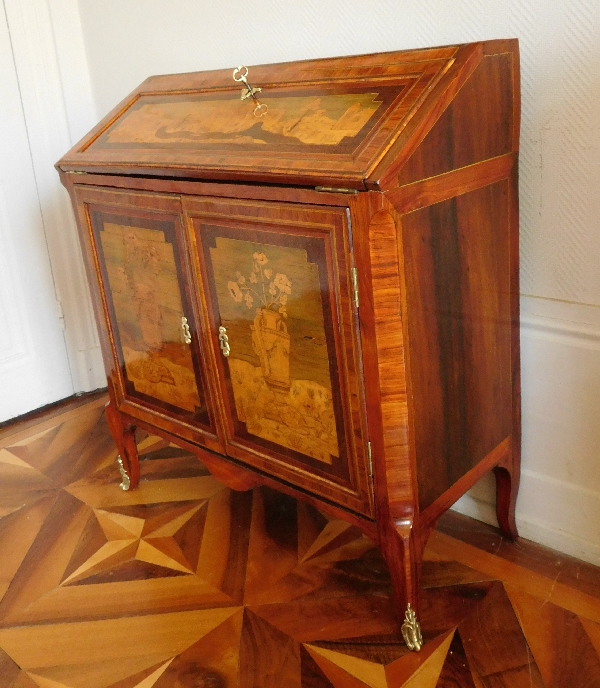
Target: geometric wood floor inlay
{"points": [[184, 583]]}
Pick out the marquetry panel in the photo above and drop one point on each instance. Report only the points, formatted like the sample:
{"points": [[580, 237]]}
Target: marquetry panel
{"points": [[276, 280], [185, 584], [316, 121], [139, 261], [136, 240]]}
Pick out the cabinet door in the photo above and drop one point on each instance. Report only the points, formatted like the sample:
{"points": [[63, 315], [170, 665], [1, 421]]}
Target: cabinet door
{"points": [[136, 246], [277, 287]]}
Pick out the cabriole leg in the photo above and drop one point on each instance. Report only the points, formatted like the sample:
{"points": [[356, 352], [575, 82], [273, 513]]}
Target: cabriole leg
{"points": [[124, 436], [507, 487], [403, 553]]}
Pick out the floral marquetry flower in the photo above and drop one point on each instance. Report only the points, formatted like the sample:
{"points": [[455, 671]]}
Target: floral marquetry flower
{"points": [[260, 258], [282, 283], [235, 291], [271, 294]]}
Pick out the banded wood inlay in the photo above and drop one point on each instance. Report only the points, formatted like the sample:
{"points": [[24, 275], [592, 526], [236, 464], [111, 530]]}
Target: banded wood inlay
{"points": [[385, 267]]}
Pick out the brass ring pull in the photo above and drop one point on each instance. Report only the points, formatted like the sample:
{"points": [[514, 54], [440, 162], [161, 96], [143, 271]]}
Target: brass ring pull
{"points": [[224, 341], [239, 75], [185, 330]]}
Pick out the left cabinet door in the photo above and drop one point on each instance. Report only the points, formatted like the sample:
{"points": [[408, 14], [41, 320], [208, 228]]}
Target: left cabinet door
{"points": [[151, 339]]}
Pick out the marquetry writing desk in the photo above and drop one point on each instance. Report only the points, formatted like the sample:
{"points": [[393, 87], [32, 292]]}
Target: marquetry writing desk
{"points": [[307, 274]]}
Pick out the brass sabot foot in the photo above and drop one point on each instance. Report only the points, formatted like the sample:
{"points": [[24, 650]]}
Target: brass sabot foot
{"points": [[125, 480], [411, 630]]}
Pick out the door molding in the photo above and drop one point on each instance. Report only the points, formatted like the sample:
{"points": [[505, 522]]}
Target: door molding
{"points": [[15, 338], [56, 96]]}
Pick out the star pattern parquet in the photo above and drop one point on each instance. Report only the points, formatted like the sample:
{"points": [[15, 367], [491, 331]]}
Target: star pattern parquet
{"points": [[184, 583]]}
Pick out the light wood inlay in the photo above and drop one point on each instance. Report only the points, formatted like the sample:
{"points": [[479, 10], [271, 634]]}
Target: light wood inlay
{"points": [[312, 120], [424, 193]]}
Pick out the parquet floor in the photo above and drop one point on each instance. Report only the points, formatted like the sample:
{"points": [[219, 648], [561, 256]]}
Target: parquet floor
{"points": [[186, 584]]}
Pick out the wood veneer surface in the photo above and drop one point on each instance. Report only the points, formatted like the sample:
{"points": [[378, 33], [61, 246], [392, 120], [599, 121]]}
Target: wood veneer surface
{"points": [[184, 583], [459, 333], [450, 143]]}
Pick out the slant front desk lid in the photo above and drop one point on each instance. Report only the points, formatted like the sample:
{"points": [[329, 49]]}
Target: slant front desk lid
{"points": [[331, 122]]}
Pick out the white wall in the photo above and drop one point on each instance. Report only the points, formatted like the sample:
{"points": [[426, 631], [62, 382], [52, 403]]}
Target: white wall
{"points": [[559, 505]]}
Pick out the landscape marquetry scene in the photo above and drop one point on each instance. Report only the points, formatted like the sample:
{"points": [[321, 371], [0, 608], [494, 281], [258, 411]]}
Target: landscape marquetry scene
{"points": [[141, 270], [269, 299], [314, 120]]}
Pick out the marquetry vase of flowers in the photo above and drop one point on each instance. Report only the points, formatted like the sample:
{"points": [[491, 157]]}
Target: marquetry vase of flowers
{"points": [[270, 339]]}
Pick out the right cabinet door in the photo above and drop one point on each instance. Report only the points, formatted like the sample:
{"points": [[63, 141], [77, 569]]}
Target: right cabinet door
{"points": [[277, 289]]}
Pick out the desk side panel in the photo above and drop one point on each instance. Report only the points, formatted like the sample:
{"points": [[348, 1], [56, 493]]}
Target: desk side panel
{"points": [[481, 122], [458, 292]]}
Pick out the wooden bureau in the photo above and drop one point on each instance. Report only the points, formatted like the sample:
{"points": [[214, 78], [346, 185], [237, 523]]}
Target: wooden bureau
{"points": [[307, 275]]}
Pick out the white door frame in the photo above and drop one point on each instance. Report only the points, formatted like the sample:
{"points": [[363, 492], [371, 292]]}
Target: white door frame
{"points": [[56, 94]]}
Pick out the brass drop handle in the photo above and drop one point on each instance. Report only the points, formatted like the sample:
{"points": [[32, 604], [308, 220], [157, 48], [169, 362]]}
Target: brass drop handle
{"points": [[224, 341], [240, 74], [185, 330]]}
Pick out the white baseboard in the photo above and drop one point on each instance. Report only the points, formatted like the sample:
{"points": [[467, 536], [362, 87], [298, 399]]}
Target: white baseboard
{"points": [[559, 497], [553, 513], [477, 508]]}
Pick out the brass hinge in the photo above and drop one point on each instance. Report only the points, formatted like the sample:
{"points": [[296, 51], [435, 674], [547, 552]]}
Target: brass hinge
{"points": [[370, 458], [354, 273], [335, 189]]}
